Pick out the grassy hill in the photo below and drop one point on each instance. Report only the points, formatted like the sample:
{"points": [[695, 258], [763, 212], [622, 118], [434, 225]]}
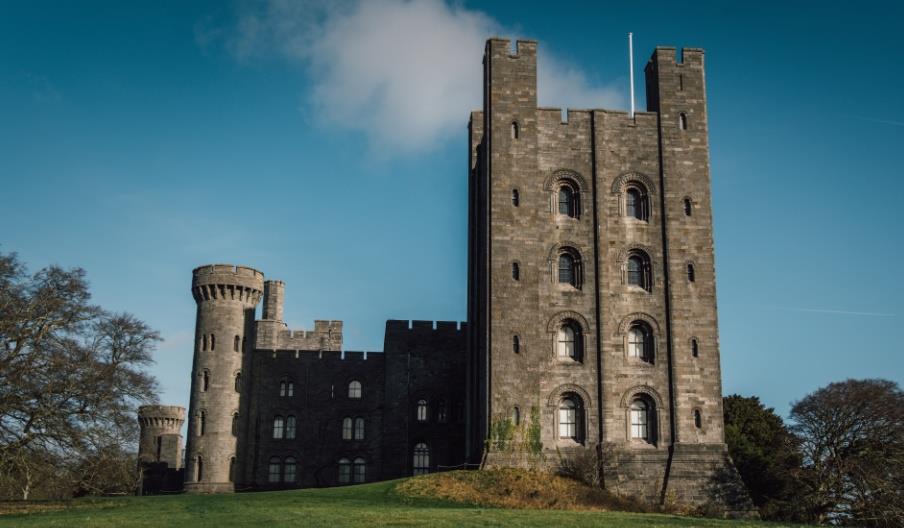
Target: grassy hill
{"points": [[407, 502]]}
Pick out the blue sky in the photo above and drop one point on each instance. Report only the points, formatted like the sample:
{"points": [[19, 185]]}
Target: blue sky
{"points": [[325, 144]]}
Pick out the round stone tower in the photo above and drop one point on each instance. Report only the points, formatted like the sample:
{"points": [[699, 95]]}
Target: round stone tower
{"points": [[226, 296], [161, 434]]}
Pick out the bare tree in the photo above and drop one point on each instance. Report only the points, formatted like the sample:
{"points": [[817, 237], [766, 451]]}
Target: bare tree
{"points": [[71, 374], [852, 440]]}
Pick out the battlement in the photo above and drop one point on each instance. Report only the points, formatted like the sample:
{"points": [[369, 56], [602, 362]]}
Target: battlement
{"points": [[667, 55], [524, 48], [169, 417], [226, 282], [275, 335]]}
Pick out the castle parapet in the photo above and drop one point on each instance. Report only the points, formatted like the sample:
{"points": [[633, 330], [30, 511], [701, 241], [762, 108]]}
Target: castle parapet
{"points": [[275, 335], [227, 282]]}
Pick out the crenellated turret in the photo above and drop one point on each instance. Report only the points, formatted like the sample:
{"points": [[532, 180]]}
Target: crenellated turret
{"points": [[227, 297]]}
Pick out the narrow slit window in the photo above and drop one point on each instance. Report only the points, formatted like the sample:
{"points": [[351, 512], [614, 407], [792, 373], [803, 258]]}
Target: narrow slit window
{"points": [[516, 198], [235, 343], [516, 344], [516, 132], [682, 121], [516, 271], [688, 207], [695, 348], [691, 274], [698, 420], [213, 342]]}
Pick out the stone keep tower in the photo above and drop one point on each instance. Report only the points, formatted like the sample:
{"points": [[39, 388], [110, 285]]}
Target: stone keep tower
{"points": [[226, 296], [160, 440], [592, 303]]}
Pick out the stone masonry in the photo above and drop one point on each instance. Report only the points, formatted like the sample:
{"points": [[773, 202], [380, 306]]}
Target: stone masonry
{"points": [[591, 321]]}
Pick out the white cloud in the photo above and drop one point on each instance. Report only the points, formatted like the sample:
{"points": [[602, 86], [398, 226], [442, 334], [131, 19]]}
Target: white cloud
{"points": [[404, 72]]}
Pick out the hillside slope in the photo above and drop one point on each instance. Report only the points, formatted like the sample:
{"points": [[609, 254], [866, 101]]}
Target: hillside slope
{"points": [[406, 502]]}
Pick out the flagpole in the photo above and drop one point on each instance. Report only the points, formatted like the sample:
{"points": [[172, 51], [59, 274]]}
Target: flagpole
{"points": [[631, 69]]}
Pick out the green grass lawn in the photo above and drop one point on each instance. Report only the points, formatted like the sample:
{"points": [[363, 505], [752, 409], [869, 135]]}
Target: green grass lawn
{"points": [[375, 504]]}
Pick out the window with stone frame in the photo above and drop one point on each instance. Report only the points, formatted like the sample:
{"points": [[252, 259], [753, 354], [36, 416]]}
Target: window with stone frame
{"points": [[569, 341], [642, 419], [640, 342], [359, 467], [421, 462], [638, 270], [290, 468], [570, 418], [279, 427], [347, 428], [290, 427], [345, 471], [274, 470], [568, 200], [359, 428], [421, 410], [354, 390], [637, 204]]}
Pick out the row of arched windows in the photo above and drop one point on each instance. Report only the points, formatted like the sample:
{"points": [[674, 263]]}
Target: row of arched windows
{"points": [[352, 429], [352, 470], [638, 269], [569, 344], [422, 411], [204, 381], [636, 201], [282, 470], [210, 341], [283, 428], [287, 389]]}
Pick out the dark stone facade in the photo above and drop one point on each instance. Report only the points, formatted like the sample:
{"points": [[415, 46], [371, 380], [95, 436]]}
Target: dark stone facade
{"points": [[614, 352]]}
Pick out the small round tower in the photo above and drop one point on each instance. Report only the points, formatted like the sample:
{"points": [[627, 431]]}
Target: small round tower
{"points": [[161, 434], [226, 296]]}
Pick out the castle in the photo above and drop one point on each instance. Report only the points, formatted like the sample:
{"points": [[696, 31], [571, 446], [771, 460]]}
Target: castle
{"points": [[591, 322]]}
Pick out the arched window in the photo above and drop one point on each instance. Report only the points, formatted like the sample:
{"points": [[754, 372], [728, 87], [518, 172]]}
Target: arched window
{"points": [[274, 470], [516, 271], [642, 417], [347, 428], [569, 344], [213, 342], [568, 200], [640, 342], [698, 420], [682, 121], [442, 411], [567, 271], [235, 343], [359, 428], [570, 414], [235, 424], [515, 130], [691, 275], [202, 423], [345, 471], [290, 427], [421, 463], [354, 390], [688, 207], [516, 416], [359, 467], [422, 410], [289, 469], [516, 198], [638, 270], [516, 344], [279, 427], [695, 348], [636, 204], [238, 382], [286, 388], [199, 469], [205, 380]]}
